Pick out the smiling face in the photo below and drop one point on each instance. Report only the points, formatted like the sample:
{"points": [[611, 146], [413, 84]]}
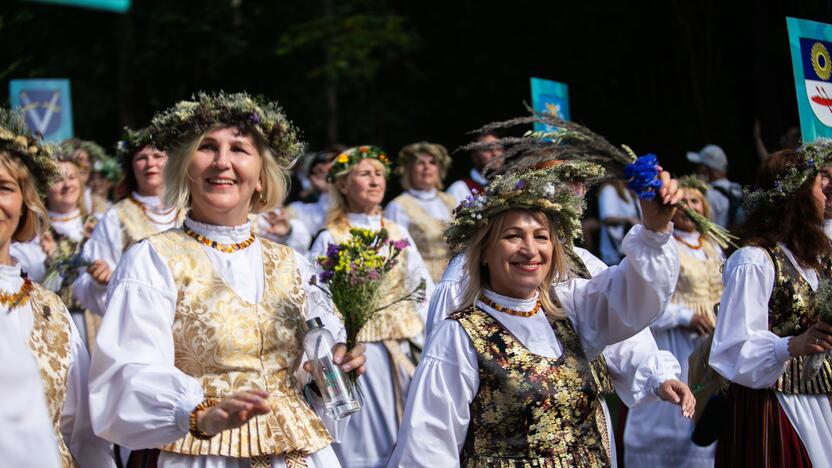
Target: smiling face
{"points": [[363, 188], [11, 208], [64, 195], [520, 256], [423, 172], [223, 175], [148, 165]]}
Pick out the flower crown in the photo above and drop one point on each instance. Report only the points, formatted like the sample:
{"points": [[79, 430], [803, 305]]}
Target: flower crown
{"points": [[349, 158], [188, 119], [574, 170], [38, 156], [93, 149], [693, 182], [813, 157], [131, 142], [538, 189]]}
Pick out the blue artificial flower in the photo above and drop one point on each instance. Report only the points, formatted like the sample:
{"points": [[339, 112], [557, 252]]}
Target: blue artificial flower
{"points": [[642, 176]]}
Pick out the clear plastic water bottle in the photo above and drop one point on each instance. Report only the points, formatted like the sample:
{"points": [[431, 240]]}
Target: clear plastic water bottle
{"points": [[335, 390]]}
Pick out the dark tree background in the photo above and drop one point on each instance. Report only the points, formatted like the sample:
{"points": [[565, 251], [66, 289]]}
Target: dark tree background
{"points": [[661, 76]]}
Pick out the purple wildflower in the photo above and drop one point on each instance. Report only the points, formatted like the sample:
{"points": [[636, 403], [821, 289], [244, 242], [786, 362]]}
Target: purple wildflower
{"points": [[778, 185], [520, 185], [400, 244], [810, 163], [326, 275], [332, 251], [373, 275], [254, 118]]}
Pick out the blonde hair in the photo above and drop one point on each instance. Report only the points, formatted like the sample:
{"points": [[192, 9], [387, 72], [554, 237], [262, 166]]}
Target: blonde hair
{"points": [[410, 153], [33, 217], [273, 177], [338, 207], [486, 239]]}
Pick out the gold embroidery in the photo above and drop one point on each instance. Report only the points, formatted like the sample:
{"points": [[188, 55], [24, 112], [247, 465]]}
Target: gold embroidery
{"points": [[134, 225], [50, 343], [400, 321], [530, 410], [428, 232], [700, 283], [229, 345]]}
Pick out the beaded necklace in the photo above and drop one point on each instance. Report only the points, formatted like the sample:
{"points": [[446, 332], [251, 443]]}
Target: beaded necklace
{"points": [[63, 219], [694, 247], [19, 298], [227, 248], [147, 212], [509, 311]]}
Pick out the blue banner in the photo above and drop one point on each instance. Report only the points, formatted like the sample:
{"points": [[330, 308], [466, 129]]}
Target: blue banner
{"points": [[811, 45], [118, 6], [47, 105], [550, 97]]}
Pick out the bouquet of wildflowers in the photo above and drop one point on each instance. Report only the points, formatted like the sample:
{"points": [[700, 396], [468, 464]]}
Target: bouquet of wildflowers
{"points": [[642, 178], [823, 307], [352, 274]]}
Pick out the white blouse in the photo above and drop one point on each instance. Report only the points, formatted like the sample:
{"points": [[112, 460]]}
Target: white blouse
{"points": [[106, 244], [138, 398], [460, 190], [298, 237], [69, 224], [746, 352], [76, 429], [313, 215], [429, 201]]}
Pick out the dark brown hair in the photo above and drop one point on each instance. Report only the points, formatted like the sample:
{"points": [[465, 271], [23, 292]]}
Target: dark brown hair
{"points": [[128, 183], [795, 221]]}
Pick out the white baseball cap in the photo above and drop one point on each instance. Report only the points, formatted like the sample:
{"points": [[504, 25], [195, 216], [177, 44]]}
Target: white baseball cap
{"points": [[711, 156]]}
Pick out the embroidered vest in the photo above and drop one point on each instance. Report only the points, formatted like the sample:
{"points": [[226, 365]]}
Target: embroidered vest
{"points": [[134, 223], [790, 313], [700, 283], [229, 345], [50, 343], [530, 410], [428, 232], [578, 269], [401, 320]]}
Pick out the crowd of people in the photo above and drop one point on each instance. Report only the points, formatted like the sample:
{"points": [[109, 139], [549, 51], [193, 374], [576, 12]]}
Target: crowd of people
{"points": [[154, 302]]}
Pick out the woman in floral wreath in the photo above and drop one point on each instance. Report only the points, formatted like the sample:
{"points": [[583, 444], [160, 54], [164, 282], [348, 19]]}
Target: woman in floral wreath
{"points": [[200, 349], [138, 214], [768, 326], [517, 364], [358, 180], [88, 154], [424, 209], [37, 315], [656, 434]]}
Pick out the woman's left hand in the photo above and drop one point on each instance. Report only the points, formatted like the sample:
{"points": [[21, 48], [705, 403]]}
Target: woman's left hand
{"points": [[353, 360], [658, 212], [678, 393]]}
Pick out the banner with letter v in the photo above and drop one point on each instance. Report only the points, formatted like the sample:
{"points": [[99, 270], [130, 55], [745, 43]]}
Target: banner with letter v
{"points": [[47, 106]]}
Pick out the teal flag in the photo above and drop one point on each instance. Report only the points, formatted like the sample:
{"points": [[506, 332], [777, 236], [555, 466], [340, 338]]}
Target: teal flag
{"points": [[119, 6], [47, 106], [550, 97], [811, 45]]}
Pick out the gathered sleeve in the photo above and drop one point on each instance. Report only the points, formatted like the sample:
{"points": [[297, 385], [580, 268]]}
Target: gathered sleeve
{"points": [[637, 368], [744, 351], [623, 299], [76, 427], [674, 316], [138, 398], [105, 244], [437, 413]]}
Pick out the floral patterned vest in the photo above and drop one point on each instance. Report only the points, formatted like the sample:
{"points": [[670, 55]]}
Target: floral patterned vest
{"points": [[134, 223], [531, 410], [400, 321], [50, 343], [229, 345], [428, 232], [790, 313], [700, 283]]}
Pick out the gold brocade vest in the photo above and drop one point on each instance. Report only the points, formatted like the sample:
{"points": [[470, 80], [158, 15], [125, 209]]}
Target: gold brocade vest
{"points": [[134, 223], [230, 345], [531, 410], [397, 322], [790, 313], [700, 283], [50, 343], [428, 232]]}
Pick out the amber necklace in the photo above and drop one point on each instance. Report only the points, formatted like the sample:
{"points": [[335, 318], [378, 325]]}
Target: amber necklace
{"points": [[507, 310], [64, 219], [19, 298], [694, 247], [147, 212], [227, 248]]}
